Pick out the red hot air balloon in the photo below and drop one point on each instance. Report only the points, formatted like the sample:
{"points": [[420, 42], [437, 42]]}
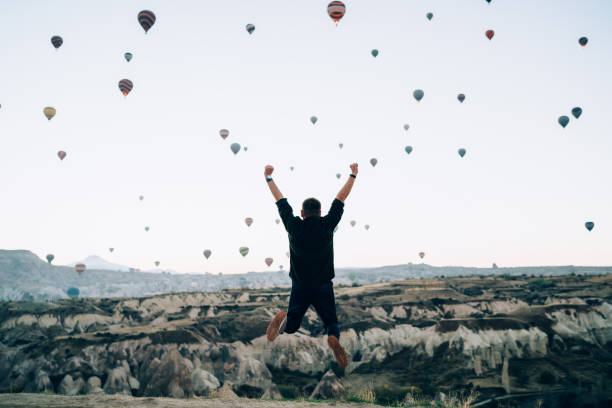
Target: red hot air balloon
{"points": [[125, 86], [146, 19], [268, 261], [461, 97], [248, 221], [61, 154], [490, 34], [80, 268], [336, 10], [422, 255]]}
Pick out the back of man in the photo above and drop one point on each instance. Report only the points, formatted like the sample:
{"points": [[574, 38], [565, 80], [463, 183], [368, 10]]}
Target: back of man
{"points": [[312, 263]]}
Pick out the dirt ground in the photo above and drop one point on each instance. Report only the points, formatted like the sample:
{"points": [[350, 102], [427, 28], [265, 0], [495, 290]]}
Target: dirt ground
{"points": [[23, 400]]}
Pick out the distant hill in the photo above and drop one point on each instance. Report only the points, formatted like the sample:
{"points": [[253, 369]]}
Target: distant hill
{"points": [[24, 276], [96, 262]]}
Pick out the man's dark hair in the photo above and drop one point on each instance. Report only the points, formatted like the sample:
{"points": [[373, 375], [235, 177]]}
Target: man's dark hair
{"points": [[311, 206]]}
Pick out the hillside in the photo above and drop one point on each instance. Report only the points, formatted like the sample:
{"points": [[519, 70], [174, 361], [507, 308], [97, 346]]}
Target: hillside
{"points": [[495, 334], [24, 276]]}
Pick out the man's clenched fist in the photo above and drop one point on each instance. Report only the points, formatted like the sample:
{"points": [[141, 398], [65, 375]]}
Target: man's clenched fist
{"points": [[354, 168], [268, 171]]}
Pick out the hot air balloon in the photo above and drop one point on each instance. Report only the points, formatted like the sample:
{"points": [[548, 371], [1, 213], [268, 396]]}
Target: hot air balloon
{"points": [[248, 221], [313, 119], [418, 94], [111, 250], [422, 254], [128, 56], [353, 222], [156, 263], [461, 152], [589, 225], [490, 34], [245, 148], [281, 267], [80, 268], [207, 253], [146, 19], [488, 1], [72, 293], [367, 227], [50, 258], [341, 145], [235, 147], [250, 28], [277, 221], [49, 112], [147, 228], [406, 127], [268, 261], [374, 53], [336, 10], [61, 154], [461, 97], [408, 149], [243, 251], [141, 198], [224, 133], [373, 162], [291, 168], [429, 16], [563, 121], [57, 41], [582, 41], [577, 111], [338, 175], [125, 86]]}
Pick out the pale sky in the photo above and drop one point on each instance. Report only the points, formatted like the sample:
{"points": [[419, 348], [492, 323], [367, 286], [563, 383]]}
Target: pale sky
{"points": [[520, 196]]}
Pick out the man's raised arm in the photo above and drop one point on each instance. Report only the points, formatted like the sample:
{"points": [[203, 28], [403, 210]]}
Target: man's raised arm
{"points": [[346, 189], [273, 189]]}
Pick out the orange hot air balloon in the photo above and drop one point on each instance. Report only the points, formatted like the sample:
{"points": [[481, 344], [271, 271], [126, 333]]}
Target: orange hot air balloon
{"points": [[336, 10], [80, 268]]}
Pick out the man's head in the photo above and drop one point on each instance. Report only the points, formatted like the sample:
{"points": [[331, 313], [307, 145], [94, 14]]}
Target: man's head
{"points": [[311, 206]]}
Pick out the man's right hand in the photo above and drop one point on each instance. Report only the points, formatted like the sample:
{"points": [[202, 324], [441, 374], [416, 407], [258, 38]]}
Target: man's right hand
{"points": [[354, 168], [268, 171]]}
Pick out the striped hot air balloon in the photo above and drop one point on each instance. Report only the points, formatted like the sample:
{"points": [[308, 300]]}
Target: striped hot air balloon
{"points": [[49, 112], [146, 19], [336, 10], [128, 56], [57, 41], [490, 34], [61, 154], [461, 97], [250, 28], [224, 133], [125, 86], [80, 268], [243, 251]]}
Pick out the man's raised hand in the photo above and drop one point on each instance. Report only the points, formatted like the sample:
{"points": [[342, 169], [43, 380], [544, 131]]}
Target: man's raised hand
{"points": [[268, 171], [354, 168]]}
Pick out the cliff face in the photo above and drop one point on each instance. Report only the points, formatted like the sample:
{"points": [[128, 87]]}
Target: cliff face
{"points": [[496, 334]]}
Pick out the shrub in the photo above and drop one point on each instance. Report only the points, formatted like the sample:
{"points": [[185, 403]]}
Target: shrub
{"points": [[546, 377], [366, 394], [289, 391], [390, 395]]}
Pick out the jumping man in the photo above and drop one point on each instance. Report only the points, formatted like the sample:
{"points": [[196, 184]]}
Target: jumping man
{"points": [[312, 263]]}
